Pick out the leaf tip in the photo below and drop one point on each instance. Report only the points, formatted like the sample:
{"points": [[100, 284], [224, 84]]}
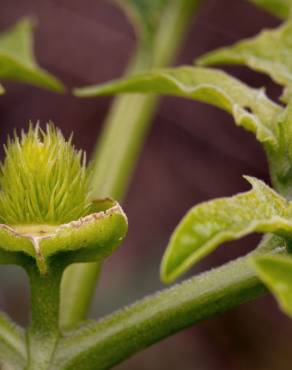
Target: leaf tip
{"points": [[79, 92], [165, 274], [253, 181]]}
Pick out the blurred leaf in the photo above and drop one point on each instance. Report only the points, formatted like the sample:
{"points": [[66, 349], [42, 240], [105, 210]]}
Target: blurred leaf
{"points": [[280, 8], [17, 61], [276, 273], [1, 89], [12, 344], [209, 224], [269, 52], [145, 15], [250, 108]]}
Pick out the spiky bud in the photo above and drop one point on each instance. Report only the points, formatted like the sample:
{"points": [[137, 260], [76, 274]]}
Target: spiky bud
{"points": [[45, 204], [43, 179]]}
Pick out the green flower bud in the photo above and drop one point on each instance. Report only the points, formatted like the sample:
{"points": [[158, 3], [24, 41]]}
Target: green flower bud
{"points": [[45, 203]]}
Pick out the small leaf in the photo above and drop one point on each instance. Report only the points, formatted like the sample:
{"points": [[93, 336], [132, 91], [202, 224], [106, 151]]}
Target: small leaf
{"points": [[1, 89], [276, 273], [17, 61], [280, 8], [206, 85], [209, 224], [269, 52], [145, 16]]}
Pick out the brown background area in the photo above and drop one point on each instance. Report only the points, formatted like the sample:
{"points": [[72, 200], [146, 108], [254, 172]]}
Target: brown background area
{"points": [[193, 153]]}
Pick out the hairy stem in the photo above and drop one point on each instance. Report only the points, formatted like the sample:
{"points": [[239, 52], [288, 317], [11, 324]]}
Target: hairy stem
{"points": [[117, 151], [118, 336], [43, 332]]}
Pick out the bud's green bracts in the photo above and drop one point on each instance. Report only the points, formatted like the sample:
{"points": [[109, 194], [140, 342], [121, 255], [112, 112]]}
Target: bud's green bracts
{"points": [[45, 203]]}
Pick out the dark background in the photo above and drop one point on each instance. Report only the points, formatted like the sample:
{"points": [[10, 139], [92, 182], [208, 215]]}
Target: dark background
{"points": [[193, 153]]}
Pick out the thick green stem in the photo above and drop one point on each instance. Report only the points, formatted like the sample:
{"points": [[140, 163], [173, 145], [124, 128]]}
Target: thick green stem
{"points": [[118, 336], [43, 332], [118, 149]]}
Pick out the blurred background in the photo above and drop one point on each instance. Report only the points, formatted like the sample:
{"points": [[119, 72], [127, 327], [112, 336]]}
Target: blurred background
{"points": [[193, 153]]}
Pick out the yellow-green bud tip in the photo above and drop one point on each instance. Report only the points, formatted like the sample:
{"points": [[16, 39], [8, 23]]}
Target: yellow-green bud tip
{"points": [[43, 179]]}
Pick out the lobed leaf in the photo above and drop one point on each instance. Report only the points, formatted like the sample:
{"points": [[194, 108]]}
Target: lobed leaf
{"points": [[269, 52], [276, 273], [250, 107], [280, 8], [209, 224], [17, 61]]}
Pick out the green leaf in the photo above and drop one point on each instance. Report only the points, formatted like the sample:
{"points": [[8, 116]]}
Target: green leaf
{"points": [[17, 61], [209, 224], [276, 273], [269, 52], [1, 89], [280, 8], [250, 107], [145, 16]]}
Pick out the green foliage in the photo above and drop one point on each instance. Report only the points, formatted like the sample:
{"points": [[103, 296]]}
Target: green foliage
{"points": [[210, 224], [50, 218], [17, 61], [262, 210], [270, 52], [43, 179], [280, 8], [206, 85], [276, 273]]}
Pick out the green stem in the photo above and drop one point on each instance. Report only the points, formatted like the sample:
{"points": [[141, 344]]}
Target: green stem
{"points": [[118, 336], [43, 332], [131, 115], [84, 275], [122, 139]]}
